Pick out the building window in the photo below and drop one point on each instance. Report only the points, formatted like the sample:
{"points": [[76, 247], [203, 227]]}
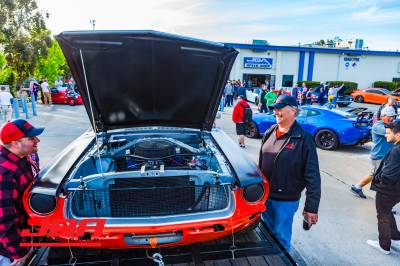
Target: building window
{"points": [[287, 81]]}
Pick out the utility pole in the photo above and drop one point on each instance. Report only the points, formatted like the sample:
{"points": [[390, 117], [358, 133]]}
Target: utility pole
{"points": [[93, 22]]}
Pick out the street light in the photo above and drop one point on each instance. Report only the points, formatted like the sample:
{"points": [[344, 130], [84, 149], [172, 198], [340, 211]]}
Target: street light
{"points": [[93, 22]]}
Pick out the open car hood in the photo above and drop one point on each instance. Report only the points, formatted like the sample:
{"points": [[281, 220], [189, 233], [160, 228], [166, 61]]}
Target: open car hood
{"points": [[147, 78]]}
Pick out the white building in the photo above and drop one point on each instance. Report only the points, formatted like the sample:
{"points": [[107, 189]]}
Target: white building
{"points": [[283, 66]]}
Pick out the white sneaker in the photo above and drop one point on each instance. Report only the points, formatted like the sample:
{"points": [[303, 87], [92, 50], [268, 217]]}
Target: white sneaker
{"points": [[375, 244], [396, 244]]}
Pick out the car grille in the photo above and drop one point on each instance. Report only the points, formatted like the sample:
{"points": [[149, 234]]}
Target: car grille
{"points": [[141, 197]]}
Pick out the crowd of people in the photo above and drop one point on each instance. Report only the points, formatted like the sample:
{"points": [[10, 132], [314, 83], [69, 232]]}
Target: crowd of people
{"points": [[289, 160]]}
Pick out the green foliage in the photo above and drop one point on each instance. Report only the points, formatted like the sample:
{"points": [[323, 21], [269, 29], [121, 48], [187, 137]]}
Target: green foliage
{"points": [[352, 85], [309, 84], [7, 76], [53, 65], [386, 85], [23, 36]]}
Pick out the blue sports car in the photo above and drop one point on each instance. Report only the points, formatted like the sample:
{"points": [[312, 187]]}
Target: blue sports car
{"points": [[330, 128]]}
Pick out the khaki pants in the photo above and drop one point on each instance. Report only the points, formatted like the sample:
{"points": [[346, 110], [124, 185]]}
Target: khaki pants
{"points": [[6, 112], [47, 97]]}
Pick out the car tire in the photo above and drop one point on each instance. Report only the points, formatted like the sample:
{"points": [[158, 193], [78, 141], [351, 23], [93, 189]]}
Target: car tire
{"points": [[72, 102], [326, 139], [252, 130], [256, 101], [359, 99]]}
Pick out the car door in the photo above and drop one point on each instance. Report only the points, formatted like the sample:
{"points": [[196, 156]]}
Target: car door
{"points": [[378, 96], [302, 118]]}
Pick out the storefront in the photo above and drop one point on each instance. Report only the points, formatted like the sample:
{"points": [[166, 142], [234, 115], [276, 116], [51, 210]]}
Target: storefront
{"points": [[284, 66]]}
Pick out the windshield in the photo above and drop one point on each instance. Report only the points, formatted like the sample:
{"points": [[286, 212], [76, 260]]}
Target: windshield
{"points": [[344, 113], [386, 91]]}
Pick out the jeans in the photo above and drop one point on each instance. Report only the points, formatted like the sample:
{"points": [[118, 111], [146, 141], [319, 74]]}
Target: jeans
{"points": [[229, 100], [4, 261], [279, 219], [222, 104], [387, 227]]}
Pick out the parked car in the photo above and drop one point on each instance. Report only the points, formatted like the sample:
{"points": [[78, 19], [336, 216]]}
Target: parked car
{"points": [[330, 127], [65, 95], [343, 97], [374, 95], [153, 167], [253, 95]]}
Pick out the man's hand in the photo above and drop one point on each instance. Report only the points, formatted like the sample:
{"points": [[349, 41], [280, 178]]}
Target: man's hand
{"points": [[311, 218], [21, 261]]}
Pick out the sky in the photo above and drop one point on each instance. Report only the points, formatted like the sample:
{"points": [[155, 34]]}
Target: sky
{"points": [[377, 22]]}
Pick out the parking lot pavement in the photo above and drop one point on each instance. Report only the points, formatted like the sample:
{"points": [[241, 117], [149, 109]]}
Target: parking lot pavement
{"points": [[345, 223]]}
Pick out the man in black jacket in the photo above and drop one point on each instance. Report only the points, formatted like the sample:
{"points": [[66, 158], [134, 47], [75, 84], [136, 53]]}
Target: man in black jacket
{"points": [[262, 104], [288, 159], [386, 183]]}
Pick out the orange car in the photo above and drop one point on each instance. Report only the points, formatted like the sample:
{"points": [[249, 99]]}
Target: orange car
{"points": [[373, 95]]}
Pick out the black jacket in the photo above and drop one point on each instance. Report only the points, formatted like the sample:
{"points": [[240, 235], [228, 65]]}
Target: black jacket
{"points": [[387, 177], [296, 168]]}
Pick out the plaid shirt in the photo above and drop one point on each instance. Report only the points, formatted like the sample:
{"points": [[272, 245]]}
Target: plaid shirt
{"points": [[16, 174]]}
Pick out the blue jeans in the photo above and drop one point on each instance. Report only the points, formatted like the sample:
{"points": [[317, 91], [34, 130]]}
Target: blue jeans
{"points": [[222, 104], [279, 219]]}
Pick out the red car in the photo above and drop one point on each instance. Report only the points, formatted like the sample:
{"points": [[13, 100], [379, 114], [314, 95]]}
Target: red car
{"points": [[153, 172], [64, 95]]}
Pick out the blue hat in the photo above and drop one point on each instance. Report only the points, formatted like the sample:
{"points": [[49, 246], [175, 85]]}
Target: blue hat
{"points": [[284, 100]]}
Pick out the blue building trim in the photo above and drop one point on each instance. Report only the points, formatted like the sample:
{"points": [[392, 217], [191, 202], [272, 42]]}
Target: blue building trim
{"points": [[301, 66], [349, 52], [310, 66]]}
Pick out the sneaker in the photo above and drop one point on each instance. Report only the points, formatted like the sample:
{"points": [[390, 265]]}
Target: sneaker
{"points": [[358, 192], [375, 244], [396, 244], [242, 146]]}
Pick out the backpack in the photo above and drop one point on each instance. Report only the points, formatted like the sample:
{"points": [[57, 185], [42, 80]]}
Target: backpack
{"points": [[248, 115]]}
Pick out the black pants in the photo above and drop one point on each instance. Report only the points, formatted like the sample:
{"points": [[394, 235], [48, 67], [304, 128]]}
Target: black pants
{"points": [[263, 108], [387, 227]]}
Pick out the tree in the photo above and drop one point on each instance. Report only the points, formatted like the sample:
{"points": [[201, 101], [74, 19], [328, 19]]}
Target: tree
{"points": [[23, 36], [320, 42], [53, 65]]}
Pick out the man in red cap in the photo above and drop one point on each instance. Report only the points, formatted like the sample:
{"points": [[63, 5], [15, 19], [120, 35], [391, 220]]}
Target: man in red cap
{"points": [[17, 170]]}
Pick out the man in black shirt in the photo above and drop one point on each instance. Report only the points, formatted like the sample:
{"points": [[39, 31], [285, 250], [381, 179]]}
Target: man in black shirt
{"points": [[288, 159], [262, 105], [386, 183]]}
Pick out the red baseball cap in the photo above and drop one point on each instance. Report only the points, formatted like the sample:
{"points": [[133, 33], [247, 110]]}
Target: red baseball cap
{"points": [[18, 128]]}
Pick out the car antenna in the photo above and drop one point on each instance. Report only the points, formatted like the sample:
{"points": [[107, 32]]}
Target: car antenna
{"points": [[91, 113]]}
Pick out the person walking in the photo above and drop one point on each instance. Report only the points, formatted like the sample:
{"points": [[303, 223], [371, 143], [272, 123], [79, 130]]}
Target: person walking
{"points": [[46, 92], [228, 94], [262, 105], [5, 104], [380, 147], [17, 170], [386, 183], [238, 117], [288, 159]]}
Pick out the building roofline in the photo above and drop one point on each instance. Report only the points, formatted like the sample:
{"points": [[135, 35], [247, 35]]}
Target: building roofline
{"points": [[350, 52]]}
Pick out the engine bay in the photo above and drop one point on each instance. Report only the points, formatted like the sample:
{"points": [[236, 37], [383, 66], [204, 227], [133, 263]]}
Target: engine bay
{"points": [[142, 154]]}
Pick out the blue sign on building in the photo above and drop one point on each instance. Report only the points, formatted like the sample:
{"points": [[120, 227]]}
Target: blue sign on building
{"points": [[257, 62]]}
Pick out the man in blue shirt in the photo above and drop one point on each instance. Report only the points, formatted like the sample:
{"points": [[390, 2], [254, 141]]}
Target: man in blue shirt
{"points": [[380, 148]]}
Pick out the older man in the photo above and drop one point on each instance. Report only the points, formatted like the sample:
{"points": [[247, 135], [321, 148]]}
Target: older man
{"points": [[288, 159], [386, 183], [17, 170]]}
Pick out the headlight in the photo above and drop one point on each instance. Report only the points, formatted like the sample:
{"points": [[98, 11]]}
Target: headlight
{"points": [[253, 193], [42, 204]]}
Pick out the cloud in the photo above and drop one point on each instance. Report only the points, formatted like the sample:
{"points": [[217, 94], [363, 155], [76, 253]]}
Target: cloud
{"points": [[377, 15]]}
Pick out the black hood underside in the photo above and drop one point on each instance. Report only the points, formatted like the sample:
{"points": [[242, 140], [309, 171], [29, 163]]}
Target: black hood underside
{"points": [[147, 78]]}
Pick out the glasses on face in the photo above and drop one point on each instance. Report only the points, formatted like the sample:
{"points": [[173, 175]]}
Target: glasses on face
{"points": [[29, 138]]}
